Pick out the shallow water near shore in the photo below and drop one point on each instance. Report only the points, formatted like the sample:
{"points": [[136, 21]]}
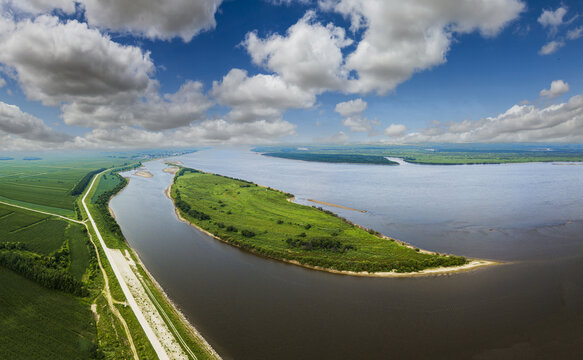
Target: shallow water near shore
{"points": [[248, 307]]}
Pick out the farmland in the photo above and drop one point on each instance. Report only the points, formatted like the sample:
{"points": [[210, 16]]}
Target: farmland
{"points": [[38, 323], [60, 323], [55, 259], [38, 232], [263, 221], [48, 183]]}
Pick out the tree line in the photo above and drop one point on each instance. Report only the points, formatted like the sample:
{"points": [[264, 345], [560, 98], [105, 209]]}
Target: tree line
{"points": [[101, 204], [32, 269], [82, 184], [187, 209]]}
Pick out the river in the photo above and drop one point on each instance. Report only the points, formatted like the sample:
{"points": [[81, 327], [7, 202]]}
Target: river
{"points": [[530, 216]]}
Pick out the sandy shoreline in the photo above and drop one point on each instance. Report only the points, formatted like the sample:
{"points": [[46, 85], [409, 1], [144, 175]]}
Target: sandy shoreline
{"points": [[334, 205], [178, 311], [171, 169], [473, 264]]}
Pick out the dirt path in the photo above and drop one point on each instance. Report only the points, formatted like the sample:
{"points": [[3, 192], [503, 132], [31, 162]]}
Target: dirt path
{"points": [[163, 341], [111, 301], [43, 212]]}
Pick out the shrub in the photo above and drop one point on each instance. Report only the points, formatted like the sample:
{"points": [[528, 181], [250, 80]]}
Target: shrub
{"points": [[247, 233]]}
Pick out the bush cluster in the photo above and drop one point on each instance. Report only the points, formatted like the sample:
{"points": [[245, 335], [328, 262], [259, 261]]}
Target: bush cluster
{"points": [[32, 269]]}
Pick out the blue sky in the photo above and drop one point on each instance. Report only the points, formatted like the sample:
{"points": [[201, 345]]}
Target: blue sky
{"points": [[86, 74]]}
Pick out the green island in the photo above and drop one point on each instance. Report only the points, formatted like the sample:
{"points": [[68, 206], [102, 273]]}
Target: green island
{"points": [[433, 154], [334, 158], [59, 287], [264, 221]]}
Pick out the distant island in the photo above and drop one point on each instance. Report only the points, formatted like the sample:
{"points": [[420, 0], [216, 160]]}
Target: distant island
{"points": [[334, 158], [6, 158], [429, 154], [266, 222]]}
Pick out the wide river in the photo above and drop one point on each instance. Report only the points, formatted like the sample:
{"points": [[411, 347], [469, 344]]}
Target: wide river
{"points": [[530, 216]]}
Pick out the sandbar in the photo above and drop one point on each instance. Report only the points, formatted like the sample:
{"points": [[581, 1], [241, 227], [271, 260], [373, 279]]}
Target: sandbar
{"points": [[144, 174]]}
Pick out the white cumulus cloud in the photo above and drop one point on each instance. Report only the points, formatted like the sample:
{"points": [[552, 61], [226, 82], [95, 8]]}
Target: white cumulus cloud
{"points": [[558, 87], [575, 33], [154, 19], [520, 123], [40, 6], [259, 97], [352, 112], [96, 81], [351, 107], [16, 123], [552, 18], [395, 130], [551, 47], [309, 55], [404, 37]]}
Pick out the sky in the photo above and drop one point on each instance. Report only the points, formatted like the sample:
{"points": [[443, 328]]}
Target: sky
{"points": [[95, 74]]}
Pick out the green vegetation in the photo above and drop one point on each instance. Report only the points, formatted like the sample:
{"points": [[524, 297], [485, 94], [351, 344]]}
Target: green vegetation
{"points": [[45, 261], [41, 297], [82, 184], [79, 249], [261, 220], [38, 323], [439, 154], [52, 183], [38, 232], [99, 207], [334, 158]]}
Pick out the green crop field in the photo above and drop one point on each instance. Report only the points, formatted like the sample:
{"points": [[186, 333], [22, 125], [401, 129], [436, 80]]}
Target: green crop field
{"points": [[38, 323], [40, 233], [262, 220], [78, 247], [49, 183]]}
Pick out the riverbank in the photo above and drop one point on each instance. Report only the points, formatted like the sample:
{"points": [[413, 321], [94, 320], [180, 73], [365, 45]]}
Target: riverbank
{"points": [[156, 317], [349, 250]]}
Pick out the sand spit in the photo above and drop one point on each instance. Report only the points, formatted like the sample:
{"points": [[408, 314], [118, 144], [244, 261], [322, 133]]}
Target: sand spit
{"points": [[171, 169], [334, 205], [144, 174]]}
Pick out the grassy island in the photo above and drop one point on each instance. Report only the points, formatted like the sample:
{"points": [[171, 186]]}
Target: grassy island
{"points": [[334, 158], [264, 221]]}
